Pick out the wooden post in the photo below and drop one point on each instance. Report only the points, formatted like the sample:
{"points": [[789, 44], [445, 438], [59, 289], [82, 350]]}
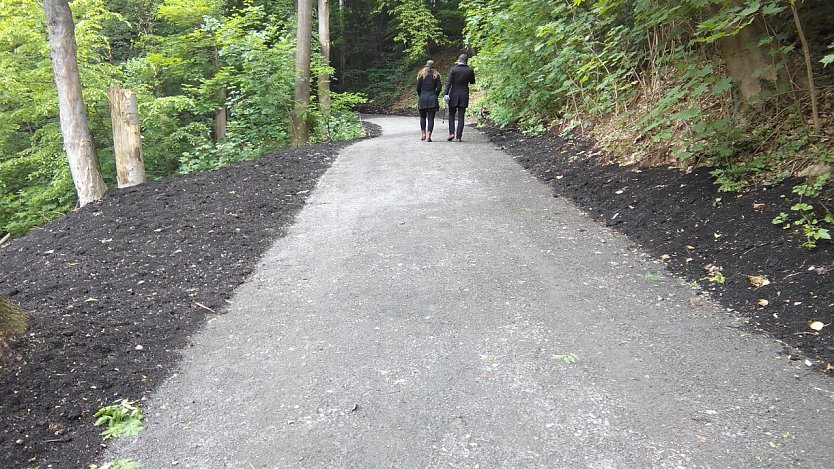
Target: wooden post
{"points": [[127, 142]]}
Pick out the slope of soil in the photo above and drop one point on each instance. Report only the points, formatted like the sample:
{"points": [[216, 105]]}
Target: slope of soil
{"points": [[676, 217], [115, 289]]}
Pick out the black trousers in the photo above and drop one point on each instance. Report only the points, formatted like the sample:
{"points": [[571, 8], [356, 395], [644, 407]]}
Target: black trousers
{"points": [[461, 113], [427, 115]]}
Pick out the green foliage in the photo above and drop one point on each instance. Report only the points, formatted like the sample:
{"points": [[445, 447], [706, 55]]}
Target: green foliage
{"points": [[185, 60], [35, 183], [123, 418], [828, 59], [715, 276], [416, 27], [813, 229], [568, 358], [122, 464], [654, 68]]}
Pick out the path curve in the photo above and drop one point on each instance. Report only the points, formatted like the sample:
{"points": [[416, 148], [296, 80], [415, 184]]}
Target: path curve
{"points": [[420, 313]]}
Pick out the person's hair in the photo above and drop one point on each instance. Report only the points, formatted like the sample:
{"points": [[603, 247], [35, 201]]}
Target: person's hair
{"points": [[463, 58], [424, 72]]}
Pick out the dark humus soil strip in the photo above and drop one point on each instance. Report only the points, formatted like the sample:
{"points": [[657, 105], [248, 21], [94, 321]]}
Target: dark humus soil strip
{"points": [[673, 214], [117, 288]]}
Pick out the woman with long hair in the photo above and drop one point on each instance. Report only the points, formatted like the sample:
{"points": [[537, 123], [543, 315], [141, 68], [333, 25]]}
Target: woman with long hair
{"points": [[428, 89]]}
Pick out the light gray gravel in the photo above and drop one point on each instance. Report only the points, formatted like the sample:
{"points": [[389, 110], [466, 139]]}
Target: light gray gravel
{"points": [[414, 315]]}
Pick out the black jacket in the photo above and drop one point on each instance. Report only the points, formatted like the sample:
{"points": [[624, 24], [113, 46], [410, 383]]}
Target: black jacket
{"points": [[457, 87], [428, 88]]}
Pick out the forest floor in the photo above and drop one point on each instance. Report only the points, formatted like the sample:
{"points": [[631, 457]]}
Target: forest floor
{"points": [[116, 289], [683, 220]]}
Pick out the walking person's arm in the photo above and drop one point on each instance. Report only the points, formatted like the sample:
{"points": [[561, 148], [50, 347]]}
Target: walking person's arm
{"points": [[419, 85], [448, 85]]}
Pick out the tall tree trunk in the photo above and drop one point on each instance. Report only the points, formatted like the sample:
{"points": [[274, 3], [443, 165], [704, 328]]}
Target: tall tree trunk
{"points": [[343, 51], [324, 39], [78, 141], [298, 119]]}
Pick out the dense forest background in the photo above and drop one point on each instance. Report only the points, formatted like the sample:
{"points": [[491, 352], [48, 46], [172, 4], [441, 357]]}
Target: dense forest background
{"points": [[743, 86]]}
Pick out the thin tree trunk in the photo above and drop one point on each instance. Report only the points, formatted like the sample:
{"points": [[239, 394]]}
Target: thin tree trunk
{"points": [[808, 68], [324, 39], [127, 139], [78, 141], [298, 118], [221, 119], [343, 52]]}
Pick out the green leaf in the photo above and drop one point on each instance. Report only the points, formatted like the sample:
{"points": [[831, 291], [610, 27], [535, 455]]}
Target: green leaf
{"points": [[685, 114], [722, 86]]}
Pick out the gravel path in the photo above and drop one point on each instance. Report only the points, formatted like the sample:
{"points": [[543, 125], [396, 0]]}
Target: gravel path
{"points": [[422, 312]]}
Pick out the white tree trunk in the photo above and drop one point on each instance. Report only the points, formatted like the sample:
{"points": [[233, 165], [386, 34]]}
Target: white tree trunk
{"points": [[299, 120], [324, 39], [127, 140], [78, 142]]}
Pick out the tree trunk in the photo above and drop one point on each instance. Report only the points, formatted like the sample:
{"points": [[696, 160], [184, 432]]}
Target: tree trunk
{"points": [[12, 322], [749, 63], [808, 67], [221, 119], [127, 139], [343, 51], [324, 39], [221, 116], [298, 119], [78, 142]]}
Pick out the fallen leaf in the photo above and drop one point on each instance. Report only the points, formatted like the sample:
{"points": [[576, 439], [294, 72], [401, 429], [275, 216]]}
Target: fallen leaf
{"points": [[665, 257], [763, 302], [830, 367], [816, 325], [758, 281], [758, 206]]}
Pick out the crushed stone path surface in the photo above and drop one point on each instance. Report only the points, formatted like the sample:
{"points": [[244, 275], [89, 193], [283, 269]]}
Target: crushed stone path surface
{"points": [[424, 311]]}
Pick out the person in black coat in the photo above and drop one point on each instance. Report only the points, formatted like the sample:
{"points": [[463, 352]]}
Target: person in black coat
{"points": [[456, 95], [428, 89]]}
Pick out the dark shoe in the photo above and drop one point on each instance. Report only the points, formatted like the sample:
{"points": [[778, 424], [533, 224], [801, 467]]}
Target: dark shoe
{"points": [[423, 136], [459, 140], [451, 137]]}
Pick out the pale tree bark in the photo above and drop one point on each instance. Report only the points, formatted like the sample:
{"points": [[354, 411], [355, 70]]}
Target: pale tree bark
{"points": [[221, 119], [324, 39], [78, 141], [221, 116], [751, 63], [127, 139], [298, 118]]}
